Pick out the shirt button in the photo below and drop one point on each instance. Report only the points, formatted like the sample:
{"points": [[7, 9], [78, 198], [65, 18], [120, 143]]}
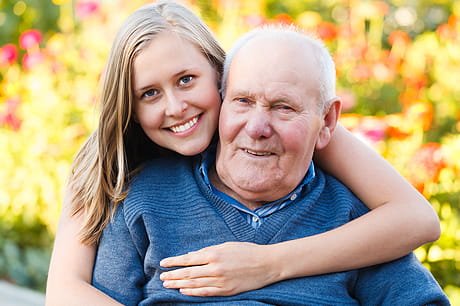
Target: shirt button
{"points": [[255, 219], [293, 197]]}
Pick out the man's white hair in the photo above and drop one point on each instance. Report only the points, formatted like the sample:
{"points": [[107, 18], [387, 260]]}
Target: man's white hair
{"points": [[326, 73]]}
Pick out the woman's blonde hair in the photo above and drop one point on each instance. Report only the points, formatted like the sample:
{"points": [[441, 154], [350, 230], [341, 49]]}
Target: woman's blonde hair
{"points": [[101, 169]]}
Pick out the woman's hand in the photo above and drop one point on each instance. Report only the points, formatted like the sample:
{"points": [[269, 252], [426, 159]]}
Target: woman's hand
{"points": [[221, 270]]}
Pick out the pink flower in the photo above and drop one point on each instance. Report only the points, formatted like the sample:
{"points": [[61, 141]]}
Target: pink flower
{"points": [[32, 59], [86, 8], [9, 118], [8, 55], [348, 99], [255, 20], [30, 39]]}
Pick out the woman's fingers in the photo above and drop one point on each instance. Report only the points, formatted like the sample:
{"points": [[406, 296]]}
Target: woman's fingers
{"points": [[187, 273], [190, 259]]}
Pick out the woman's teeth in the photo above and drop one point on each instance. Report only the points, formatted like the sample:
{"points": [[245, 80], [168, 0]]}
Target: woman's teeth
{"points": [[185, 126]]}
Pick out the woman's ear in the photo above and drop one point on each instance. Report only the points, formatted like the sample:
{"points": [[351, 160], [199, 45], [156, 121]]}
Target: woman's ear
{"points": [[330, 118]]}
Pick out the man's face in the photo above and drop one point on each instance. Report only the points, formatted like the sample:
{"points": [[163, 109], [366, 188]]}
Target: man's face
{"points": [[269, 122]]}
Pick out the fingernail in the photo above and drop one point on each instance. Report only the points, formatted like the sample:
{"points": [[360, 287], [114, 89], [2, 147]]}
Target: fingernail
{"points": [[166, 284]]}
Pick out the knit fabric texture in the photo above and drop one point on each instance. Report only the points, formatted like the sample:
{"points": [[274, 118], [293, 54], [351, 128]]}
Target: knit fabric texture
{"points": [[170, 211]]}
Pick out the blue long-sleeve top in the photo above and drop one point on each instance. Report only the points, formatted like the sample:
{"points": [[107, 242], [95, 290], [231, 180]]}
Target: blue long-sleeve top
{"points": [[170, 211]]}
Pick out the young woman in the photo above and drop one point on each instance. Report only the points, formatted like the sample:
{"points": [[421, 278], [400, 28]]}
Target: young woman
{"points": [[155, 99]]}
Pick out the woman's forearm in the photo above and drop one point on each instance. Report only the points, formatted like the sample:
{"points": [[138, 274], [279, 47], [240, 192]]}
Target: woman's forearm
{"points": [[377, 237], [70, 271], [76, 293], [377, 184]]}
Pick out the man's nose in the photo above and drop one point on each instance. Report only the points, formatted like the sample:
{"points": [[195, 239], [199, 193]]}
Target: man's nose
{"points": [[259, 123], [175, 105]]}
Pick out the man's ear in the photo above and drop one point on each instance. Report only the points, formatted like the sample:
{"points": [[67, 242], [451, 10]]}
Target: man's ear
{"points": [[330, 118]]}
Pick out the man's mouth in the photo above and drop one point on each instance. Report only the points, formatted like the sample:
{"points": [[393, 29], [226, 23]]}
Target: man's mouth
{"points": [[258, 153], [184, 126]]}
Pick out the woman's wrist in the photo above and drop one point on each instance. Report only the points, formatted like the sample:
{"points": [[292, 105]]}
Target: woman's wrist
{"points": [[278, 261]]}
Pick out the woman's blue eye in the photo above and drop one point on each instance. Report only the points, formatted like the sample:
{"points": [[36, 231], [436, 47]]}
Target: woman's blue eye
{"points": [[150, 93], [185, 80]]}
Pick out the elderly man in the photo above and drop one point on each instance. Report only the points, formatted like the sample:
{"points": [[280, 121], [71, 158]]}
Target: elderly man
{"points": [[262, 187]]}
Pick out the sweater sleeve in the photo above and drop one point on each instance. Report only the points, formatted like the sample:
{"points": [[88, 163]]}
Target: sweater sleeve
{"points": [[401, 282], [118, 269]]}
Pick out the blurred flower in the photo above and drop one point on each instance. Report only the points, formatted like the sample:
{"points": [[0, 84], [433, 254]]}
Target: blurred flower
{"points": [[60, 2], [31, 59], [362, 72], [30, 39], [416, 80], [397, 127], [421, 112], [8, 55], [382, 72], [372, 9], [350, 121], [398, 37], [55, 44], [425, 165], [255, 20], [327, 31], [368, 128], [9, 117], [453, 21], [449, 30], [283, 19], [373, 128], [309, 19], [348, 99], [86, 8]]}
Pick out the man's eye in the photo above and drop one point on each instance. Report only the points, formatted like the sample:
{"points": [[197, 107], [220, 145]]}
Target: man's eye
{"points": [[284, 108], [150, 93], [185, 80], [243, 100]]}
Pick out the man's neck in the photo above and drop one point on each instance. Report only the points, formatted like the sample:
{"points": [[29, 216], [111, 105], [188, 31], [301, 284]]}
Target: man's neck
{"points": [[219, 185]]}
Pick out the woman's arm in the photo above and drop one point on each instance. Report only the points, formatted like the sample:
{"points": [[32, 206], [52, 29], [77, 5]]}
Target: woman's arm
{"points": [[400, 221], [71, 266]]}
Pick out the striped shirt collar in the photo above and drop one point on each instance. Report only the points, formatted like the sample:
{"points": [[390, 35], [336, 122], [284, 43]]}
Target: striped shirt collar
{"points": [[255, 217]]}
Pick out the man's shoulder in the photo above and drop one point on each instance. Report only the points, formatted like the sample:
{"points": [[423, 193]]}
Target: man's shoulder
{"points": [[338, 194], [166, 165]]}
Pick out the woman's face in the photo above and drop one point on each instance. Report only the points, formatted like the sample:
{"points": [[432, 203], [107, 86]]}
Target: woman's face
{"points": [[176, 96]]}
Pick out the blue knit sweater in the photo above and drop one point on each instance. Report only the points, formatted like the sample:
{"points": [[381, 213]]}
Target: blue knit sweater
{"points": [[170, 211]]}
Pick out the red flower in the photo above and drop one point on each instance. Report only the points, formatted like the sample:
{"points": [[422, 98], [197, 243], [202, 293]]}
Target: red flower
{"points": [[398, 37], [425, 165], [86, 8], [30, 39], [8, 55], [327, 31], [283, 19]]}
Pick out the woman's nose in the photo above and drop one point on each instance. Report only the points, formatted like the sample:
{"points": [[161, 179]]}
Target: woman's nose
{"points": [[175, 105]]}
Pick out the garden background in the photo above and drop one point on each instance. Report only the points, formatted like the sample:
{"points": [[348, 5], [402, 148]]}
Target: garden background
{"points": [[398, 65]]}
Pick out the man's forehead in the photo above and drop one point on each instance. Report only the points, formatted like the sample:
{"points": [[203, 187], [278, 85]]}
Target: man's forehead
{"points": [[276, 67]]}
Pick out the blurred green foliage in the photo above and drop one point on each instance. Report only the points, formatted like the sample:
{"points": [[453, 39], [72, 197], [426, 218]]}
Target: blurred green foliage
{"points": [[19, 16], [398, 65]]}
